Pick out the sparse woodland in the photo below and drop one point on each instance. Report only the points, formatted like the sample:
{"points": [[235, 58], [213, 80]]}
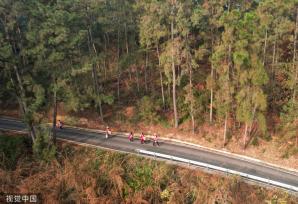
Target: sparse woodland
{"points": [[227, 63]]}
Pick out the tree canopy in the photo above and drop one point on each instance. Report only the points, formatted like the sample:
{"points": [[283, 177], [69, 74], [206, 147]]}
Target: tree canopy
{"points": [[232, 63]]}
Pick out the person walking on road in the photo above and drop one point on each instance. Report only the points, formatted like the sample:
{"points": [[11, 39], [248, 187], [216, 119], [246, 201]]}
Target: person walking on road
{"points": [[130, 137], [155, 140], [142, 138], [108, 132]]}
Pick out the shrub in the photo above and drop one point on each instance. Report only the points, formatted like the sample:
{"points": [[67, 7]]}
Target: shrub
{"points": [[11, 148], [148, 110], [165, 123], [71, 120], [267, 137], [290, 151], [255, 141], [140, 176], [43, 148]]}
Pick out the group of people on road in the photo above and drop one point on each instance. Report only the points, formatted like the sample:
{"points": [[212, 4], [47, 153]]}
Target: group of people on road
{"points": [[143, 138], [130, 136]]}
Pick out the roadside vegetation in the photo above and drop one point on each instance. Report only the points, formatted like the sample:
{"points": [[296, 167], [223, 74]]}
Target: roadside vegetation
{"points": [[87, 175]]}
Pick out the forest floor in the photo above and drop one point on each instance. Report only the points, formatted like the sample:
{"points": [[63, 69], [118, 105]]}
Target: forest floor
{"points": [[123, 120], [89, 175]]}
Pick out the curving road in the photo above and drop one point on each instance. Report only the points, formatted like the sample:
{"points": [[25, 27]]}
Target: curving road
{"points": [[175, 149]]}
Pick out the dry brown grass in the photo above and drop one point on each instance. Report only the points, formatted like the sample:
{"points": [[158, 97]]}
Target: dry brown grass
{"points": [[85, 175]]}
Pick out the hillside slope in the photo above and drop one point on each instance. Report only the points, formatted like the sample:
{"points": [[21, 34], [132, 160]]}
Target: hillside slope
{"points": [[87, 175]]}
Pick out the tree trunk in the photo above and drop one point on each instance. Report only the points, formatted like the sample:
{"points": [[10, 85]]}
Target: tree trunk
{"points": [[273, 59], [245, 135], [104, 59], [22, 95], [127, 50], [22, 90], [94, 73], [169, 90], [229, 5], [272, 80], [137, 75], [253, 118], [174, 77], [191, 101], [54, 112], [211, 90], [118, 67], [295, 67], [24, 104], [225, 130], [211, 95], [188, 61], [265, 47], [161, 78], [96, 87], [146, 65]]}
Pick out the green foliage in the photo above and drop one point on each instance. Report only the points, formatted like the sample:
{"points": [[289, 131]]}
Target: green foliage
{"points": [[290, 151], [11, 148], [289, 120], [70, 120], [72, 101], [262, 123], [255, 141], [43, 148], [290, 113], [148, 110], [142, 177], [164, 122], [39, 94], [84, 50], [108, 99], [200, 104]]}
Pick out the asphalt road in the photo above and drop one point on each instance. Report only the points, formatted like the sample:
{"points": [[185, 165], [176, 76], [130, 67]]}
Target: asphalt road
{"points": [[175, 149]]}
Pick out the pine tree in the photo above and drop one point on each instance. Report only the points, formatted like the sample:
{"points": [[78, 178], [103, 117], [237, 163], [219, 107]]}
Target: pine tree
{"points": [[251, 76]]}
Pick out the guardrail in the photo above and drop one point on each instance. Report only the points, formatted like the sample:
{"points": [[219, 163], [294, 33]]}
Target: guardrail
{"points": [[222, 169]]}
